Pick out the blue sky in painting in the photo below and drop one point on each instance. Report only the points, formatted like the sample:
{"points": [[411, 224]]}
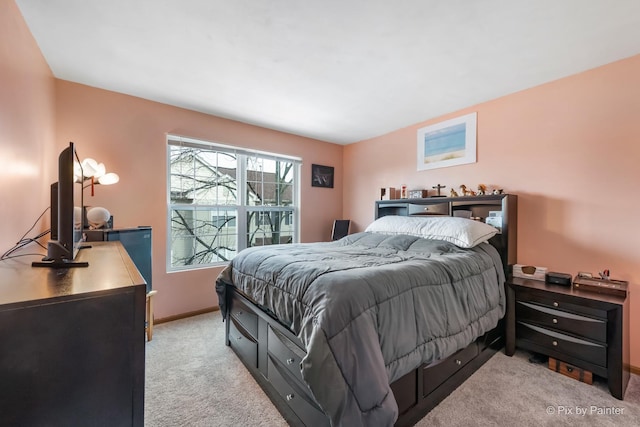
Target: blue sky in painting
{"points": [[445, 140]]}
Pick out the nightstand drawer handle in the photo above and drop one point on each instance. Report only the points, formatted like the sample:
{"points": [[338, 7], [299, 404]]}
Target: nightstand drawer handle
{"points": [[458, 362], [555, 343], [290, 361], [555, 320], [555, 304], [290, 397]]}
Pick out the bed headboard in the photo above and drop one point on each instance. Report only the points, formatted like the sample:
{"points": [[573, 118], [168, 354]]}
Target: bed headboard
{"points": [[501, 209]]}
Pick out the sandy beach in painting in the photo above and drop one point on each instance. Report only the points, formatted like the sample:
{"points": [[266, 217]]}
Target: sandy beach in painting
{"points": [[449, 155]]}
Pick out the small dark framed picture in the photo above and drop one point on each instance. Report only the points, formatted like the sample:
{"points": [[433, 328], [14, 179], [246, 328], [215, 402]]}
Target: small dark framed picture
{"points": [[322, 176]]}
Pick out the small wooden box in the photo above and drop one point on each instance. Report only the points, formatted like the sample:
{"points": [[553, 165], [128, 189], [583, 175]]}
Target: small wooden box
{"points": [[603, 286], [571, 371]]}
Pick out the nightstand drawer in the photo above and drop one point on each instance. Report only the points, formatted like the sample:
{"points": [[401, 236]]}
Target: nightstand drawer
{"points": [[244, 316], [547, 299], [563, 321], [563, 344]]}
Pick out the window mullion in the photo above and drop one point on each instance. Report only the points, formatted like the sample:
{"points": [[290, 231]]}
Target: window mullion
{"points": [[241, 183]]}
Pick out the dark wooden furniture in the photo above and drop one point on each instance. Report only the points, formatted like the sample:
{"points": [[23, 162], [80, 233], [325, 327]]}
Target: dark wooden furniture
{"points": [[340, 228], [586, 329], [72, 346], [272, 353], [138, 243], [476, 206]]}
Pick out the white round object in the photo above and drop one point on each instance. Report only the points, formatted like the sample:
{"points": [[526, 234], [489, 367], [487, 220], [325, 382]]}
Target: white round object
{"points": [[77, 217], [97, 217]]}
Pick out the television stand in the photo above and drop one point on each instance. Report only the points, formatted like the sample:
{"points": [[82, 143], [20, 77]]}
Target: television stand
{"points": [[59, 264], [56, 254]]}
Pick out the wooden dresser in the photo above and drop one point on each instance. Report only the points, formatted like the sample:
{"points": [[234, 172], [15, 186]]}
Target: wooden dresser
{"points": [[72, 349]]}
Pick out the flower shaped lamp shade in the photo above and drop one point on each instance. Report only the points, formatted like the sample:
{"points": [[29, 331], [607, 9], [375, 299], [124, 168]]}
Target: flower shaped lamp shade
{"points": [[97, 173]]}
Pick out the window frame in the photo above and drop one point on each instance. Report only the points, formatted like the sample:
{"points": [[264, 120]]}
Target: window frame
{"points": [[241, 207]]}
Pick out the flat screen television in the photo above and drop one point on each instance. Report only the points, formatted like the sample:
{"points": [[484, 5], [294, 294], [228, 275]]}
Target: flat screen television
{"points": [[66, 213]]}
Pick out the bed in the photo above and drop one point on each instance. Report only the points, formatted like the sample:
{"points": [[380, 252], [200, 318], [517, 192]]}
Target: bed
{"points": [[378, 327]]}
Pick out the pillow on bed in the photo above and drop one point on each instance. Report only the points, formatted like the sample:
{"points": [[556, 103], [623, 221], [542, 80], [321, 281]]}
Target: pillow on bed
{"points": [[462, 232]]}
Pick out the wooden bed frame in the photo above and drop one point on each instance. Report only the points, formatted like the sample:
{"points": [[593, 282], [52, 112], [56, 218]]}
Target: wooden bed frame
{"points": [[272, 353]]}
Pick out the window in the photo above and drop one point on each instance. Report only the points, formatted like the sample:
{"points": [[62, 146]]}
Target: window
{"points": [[224, 199]]}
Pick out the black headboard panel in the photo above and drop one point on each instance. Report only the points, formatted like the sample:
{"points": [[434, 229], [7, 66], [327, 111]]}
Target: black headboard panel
{"points": [[502, 209]]}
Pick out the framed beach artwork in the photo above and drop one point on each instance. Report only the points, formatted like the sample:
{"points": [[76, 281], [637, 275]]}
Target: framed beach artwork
{"points": [[448, 143]]}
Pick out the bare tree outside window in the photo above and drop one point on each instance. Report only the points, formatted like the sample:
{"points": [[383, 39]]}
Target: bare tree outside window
{"points": [[269, 188], [222, 202]]}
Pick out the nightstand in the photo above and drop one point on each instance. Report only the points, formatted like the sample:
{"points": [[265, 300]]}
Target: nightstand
{"points": [[587, 329]]}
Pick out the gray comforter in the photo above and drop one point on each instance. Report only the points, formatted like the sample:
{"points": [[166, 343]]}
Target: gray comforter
{"points": [[370, 308]]}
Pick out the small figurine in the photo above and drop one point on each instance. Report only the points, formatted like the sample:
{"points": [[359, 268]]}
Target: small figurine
{"points": [[403, 191], [438, 187], [498, 191], [466, 192], [453, 193], [482, 189]]}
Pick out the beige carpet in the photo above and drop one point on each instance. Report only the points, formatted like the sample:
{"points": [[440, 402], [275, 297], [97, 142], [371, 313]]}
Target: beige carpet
{"points": [[193, 379]]}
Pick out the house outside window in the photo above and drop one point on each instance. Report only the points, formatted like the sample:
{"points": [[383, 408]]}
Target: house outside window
{"points": [[223, 199]]}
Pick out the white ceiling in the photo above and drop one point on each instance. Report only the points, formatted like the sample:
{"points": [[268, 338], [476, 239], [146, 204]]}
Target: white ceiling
{"points": [[336, 70]]}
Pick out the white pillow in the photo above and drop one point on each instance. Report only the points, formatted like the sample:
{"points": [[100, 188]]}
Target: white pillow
{"points": [[462, 232]]}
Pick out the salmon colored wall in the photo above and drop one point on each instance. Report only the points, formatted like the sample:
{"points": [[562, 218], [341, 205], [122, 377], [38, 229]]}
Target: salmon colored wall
{"points": [[39, 115], [569, 149], [128, 134], [27, 126]]}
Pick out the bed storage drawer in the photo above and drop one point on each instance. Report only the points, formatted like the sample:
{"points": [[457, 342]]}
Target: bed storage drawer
{"points": [[588, 351], [405, 391], [295, 395], [435, 374], [286, 352], [575, 324], [244, 316], [243, 343]]}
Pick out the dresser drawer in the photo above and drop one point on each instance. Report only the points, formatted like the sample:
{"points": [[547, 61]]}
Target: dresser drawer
{"points": [[243, 343], [563, 344], [241, 312], [435, 374], [549, 300], [286, 352], [582, 326], [298, 399]]}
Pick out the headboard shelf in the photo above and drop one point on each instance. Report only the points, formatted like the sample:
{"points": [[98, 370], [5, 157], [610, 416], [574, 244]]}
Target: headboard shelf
{"points": [[504, 205]]}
